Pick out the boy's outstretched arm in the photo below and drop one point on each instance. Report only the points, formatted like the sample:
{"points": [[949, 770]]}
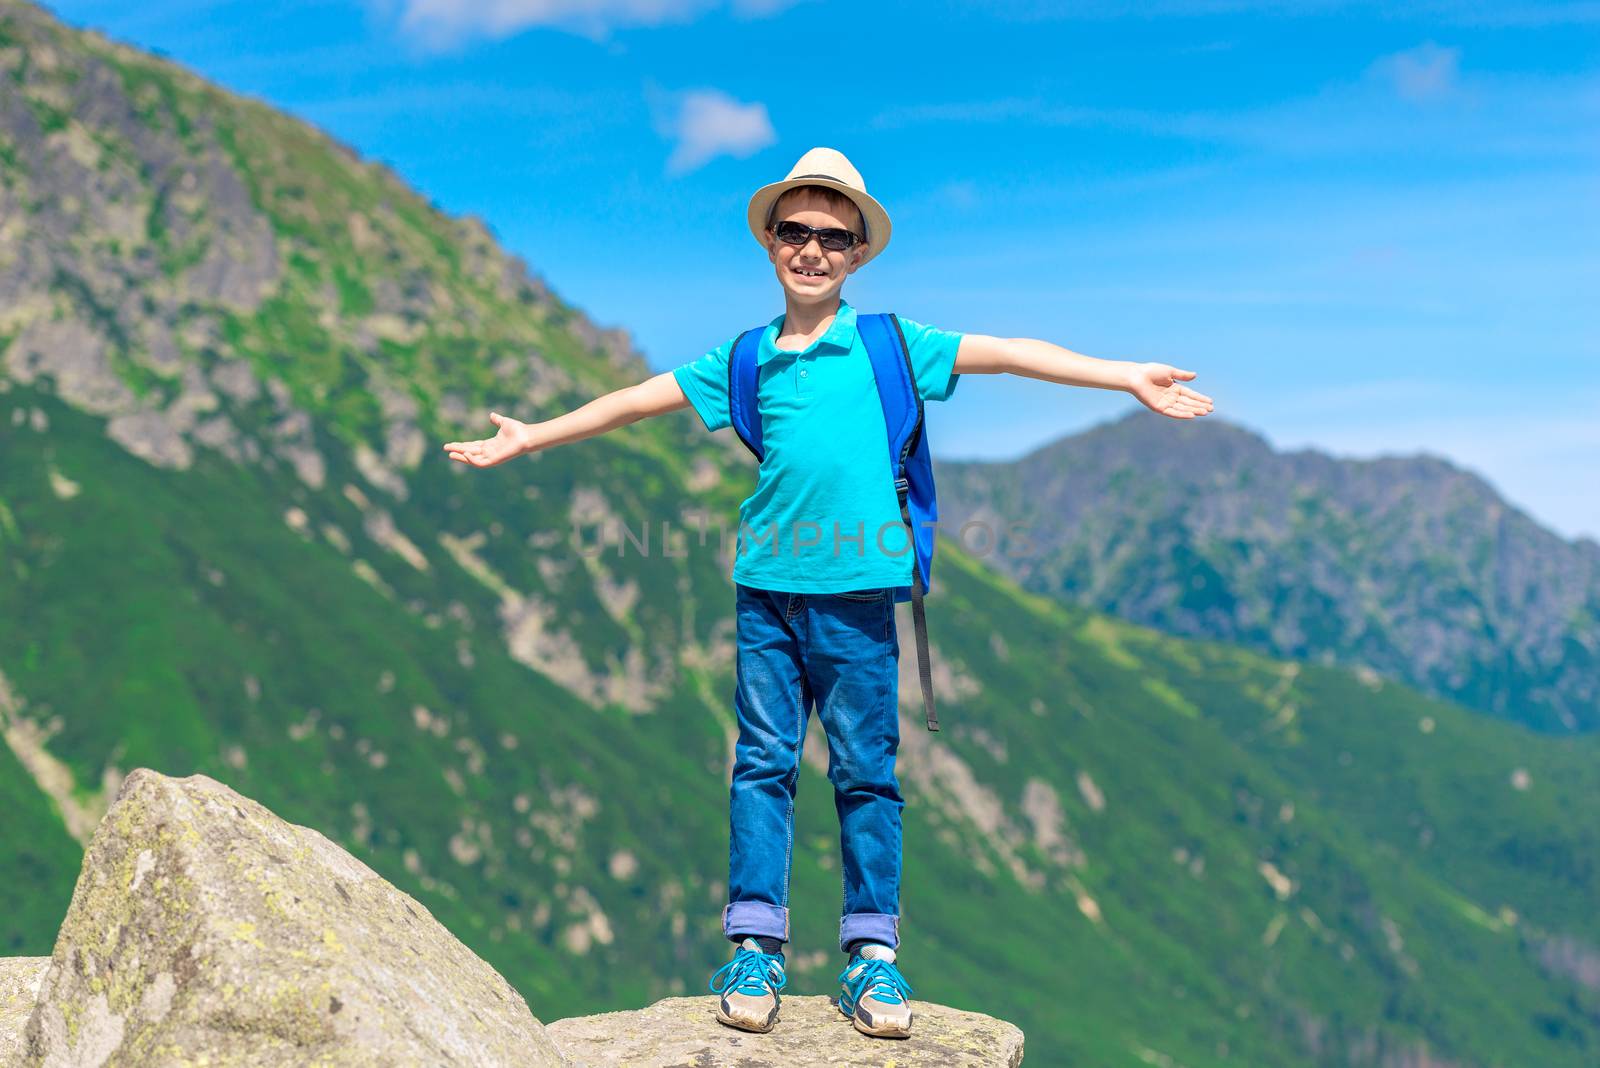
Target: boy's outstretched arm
{"points": [[654, 396], [1156, 385]]}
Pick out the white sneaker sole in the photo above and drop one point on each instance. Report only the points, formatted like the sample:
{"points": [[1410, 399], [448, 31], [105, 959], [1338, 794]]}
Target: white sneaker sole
{"points": [[882, 1032], [885, 1029], [746, 1025]]}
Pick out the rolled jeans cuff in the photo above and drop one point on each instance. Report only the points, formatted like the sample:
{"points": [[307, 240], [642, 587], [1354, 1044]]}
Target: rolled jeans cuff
{"points": [[872, 926], [755, 918]]}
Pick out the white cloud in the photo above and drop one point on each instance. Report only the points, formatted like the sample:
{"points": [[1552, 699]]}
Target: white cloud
{"points": [[707, 123], [1426, 72], [446, 23]]}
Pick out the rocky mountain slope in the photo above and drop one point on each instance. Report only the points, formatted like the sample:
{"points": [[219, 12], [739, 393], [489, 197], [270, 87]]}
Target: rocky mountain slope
{"points": [[228, 546], [1407, 566]]}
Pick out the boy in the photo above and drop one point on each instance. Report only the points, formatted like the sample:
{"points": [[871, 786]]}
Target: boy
{"points": [[815, 615]]}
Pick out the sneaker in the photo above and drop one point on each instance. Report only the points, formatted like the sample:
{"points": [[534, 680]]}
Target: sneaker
{"points": [[875, 995], [749, 985]]}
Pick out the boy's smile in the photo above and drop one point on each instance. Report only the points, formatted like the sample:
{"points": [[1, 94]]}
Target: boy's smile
{"points": [[809, 273]]}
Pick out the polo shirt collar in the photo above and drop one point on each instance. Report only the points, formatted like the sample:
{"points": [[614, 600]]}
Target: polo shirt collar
{"points": [[839, 336]]}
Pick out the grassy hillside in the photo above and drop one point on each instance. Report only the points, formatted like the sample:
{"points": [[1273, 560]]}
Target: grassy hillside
{"points": [[229, 544]]}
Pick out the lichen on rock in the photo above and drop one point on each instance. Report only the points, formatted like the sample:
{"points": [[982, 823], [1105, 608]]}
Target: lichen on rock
{"points": [[20, 979]]}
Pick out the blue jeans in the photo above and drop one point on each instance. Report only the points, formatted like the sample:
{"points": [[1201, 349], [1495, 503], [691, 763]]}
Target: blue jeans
{"points": [[839, 651]]}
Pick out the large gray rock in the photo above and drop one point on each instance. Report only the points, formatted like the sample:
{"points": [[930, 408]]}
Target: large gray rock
{"points": [[810, 1032], [20, 978], [206, 930]]}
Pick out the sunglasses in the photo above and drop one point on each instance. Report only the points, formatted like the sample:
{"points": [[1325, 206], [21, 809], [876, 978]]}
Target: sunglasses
{"points": [[831, 238]]}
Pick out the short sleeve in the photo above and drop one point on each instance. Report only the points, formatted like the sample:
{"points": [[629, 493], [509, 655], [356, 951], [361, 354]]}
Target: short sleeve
{"points": [[933, 358], [705, 383]]}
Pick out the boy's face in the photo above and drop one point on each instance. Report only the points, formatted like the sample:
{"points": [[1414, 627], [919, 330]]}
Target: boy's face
{"points": [[809, 273]]}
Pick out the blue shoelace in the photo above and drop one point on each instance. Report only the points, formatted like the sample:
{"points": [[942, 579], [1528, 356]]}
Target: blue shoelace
{"points": [[750, 972], [880, 979]]}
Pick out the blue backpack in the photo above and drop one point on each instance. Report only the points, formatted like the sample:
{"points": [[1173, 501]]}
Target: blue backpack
{"points": [[908, 451]]}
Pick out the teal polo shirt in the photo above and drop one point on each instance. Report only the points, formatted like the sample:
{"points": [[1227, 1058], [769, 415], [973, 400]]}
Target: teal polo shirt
{"points": [[824, 517]]}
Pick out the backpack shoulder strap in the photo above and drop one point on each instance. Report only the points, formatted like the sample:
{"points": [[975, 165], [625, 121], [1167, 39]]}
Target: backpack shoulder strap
{"points": [[744, 375], [891, 365]]}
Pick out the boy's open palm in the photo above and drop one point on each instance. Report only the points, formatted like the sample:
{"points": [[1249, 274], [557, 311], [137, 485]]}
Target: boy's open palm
{"points": [[509, 443], [1158, 387]]}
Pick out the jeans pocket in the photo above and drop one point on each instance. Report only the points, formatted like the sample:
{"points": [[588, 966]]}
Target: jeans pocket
{"points": [[864, 596]]}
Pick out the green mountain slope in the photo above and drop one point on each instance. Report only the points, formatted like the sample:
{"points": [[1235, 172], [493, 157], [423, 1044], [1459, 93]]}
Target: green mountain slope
{"points": [[240, 553], [1408, 566]]}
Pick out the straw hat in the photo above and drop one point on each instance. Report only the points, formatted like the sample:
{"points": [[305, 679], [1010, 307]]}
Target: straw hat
{"points": [[823, 166]]}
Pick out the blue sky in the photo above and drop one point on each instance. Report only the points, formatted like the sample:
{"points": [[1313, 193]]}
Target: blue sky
{"points": [[1370, 227]]}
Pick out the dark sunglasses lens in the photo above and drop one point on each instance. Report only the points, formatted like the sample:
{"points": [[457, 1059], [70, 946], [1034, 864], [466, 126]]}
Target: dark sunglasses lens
{"points": [[832, 239]]}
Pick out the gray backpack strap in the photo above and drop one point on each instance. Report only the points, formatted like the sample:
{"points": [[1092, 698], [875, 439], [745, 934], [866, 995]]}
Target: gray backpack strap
{"points": [[919, 620], [920, 624]]}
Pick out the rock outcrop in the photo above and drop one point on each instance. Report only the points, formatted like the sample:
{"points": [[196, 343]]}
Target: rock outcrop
{"points": [[206, 930], [20, 979], [810, 1032]]}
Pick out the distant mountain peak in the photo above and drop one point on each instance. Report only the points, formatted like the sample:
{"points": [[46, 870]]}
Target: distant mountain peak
{"points": [[1410, 564]]}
